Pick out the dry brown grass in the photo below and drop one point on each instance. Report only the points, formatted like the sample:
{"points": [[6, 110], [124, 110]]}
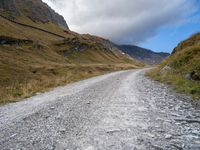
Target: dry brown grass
{"points": [[34, 67], [20, 88]]}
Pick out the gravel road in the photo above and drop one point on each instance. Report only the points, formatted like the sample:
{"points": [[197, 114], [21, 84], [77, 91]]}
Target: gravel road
{"points": [[122, 110]]}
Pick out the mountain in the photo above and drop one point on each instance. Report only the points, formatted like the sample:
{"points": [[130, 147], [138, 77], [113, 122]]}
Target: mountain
{"points": [[35, 10], [36, 53], [144, 55], [182, 68]]}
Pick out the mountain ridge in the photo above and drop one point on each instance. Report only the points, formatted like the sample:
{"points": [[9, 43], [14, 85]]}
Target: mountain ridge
{"points": [[145, 55]]}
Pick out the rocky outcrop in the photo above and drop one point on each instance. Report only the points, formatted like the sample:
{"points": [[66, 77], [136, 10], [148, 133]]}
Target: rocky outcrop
{"points": [[9, 7], [13, 41], [35, 10], [193, 76]]}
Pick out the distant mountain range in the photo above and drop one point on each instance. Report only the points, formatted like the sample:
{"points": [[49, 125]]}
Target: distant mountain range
{"points": [[145, 55]]}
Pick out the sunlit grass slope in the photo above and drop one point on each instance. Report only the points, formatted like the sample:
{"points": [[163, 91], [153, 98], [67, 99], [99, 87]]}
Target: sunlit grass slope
{"points": [[182, 68]]}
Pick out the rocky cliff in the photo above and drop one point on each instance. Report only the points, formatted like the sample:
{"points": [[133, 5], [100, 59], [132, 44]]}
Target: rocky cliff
{"points": [[35, 10]]}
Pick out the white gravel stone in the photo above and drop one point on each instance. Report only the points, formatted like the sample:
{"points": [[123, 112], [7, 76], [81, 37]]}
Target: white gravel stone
{"points": [[132, 113]]}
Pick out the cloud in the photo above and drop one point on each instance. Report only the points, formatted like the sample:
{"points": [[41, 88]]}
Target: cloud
{"points": [[122, 21]]}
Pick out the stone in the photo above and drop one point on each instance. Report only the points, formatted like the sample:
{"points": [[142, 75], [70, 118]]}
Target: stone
{"points": [[188, 76], [168, 136], [62, 130], [52, 108], [195, 76], [89, 148]]}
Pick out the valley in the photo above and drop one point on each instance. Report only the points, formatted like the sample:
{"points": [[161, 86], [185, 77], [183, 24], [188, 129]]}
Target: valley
{"points": [[99, 89], [37, 57]]}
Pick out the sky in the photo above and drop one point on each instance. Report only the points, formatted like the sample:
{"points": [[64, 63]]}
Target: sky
{"points": [[158, 25]]}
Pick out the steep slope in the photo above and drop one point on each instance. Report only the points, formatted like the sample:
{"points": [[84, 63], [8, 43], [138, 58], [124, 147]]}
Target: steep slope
{"points": [[35, 10], [182, 68], [144, 55], [37, 54]]}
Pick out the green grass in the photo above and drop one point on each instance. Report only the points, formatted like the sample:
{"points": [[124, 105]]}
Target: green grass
{"points": [[184, 60], [177, 81]]}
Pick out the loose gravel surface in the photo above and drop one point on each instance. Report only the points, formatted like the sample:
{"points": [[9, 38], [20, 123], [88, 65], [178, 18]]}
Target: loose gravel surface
{"points": [[122, 110]]}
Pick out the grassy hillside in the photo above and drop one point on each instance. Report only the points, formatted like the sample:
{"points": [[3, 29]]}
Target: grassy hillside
{"points": [[32, 61], [182, 68]]}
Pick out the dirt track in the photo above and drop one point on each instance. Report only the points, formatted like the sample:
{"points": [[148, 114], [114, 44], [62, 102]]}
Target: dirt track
{"points": [[122, 110]]}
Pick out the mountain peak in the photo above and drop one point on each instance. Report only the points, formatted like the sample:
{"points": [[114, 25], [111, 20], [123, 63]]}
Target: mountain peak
{"points": [[35, 10]]}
